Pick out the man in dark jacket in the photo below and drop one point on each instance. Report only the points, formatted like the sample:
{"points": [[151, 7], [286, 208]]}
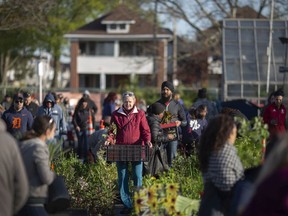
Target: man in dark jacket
{"points": [[158, 161], [17, 118], [178, 115], [30, 104]]}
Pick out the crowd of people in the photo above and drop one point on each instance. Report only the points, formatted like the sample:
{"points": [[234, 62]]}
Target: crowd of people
{"points": [[163, 126]]}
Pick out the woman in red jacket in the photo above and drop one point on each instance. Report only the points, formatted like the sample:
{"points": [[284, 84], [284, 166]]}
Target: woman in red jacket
{"points": [[131, 129]]}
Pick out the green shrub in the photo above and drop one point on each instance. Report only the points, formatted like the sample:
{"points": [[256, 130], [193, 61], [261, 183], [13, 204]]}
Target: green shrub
{"points": [[186, 172], [91, 186]]}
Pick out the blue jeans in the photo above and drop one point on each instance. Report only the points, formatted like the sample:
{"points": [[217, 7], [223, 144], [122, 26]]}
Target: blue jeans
{"points": [[123, 180], [171, 148], [82, 144]]}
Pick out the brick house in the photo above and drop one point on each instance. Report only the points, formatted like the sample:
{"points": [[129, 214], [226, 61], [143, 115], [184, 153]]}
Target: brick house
{"points": [[118, 47]]}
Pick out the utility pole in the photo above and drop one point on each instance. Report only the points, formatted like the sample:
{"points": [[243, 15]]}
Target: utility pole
{"points": [[155, 44], [269, 48], [175, 50]]}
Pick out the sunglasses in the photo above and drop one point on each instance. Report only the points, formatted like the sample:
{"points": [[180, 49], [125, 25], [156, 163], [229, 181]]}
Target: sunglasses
{"points": [[18, 101], [129, 94]]}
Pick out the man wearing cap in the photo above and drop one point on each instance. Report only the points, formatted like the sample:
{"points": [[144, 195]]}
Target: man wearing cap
{"points": [[275, 115], [178, 115], [17, 118], [29, 104]]}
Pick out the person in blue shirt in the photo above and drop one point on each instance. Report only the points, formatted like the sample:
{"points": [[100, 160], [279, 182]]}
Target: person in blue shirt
{"points": [[17, 118]]}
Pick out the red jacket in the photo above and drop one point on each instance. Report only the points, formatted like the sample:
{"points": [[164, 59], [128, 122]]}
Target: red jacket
{"points": [[132, 128], [272, 113]]}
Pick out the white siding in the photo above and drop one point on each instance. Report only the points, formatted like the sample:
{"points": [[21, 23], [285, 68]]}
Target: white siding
{"points": [[111, 65]]}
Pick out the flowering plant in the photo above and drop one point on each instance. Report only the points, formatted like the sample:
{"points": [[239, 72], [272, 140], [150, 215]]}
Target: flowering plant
{"points": [[158, 199], [111, 134], [168, 126]]}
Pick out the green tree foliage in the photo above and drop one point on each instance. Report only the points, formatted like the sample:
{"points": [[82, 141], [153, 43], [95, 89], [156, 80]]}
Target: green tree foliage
{"points": [[66, 16]]}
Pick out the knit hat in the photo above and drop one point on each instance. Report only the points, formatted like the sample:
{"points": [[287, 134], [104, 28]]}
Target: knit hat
{"points": [[202, 93], [279, 93], [86, 92], [157, 108], [169, 85]]}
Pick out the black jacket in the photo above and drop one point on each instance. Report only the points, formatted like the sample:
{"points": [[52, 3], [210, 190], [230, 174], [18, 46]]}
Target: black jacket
{"points": [[157, 134]]}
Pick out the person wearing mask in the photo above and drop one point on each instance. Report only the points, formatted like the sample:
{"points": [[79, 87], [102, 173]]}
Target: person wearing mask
{"points": [[35, 154], [275, 115], [17, 118], [50, 108], [178, 116], [131, 129], [202, 99], [30, 104], [14, 186]]}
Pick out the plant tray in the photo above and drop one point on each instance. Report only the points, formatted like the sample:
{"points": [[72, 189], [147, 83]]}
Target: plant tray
{"points": [[127, 153]]}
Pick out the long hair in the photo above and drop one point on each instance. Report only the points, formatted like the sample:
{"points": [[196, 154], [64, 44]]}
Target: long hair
{"points": [[40, 125], [214, 137], [112, 96]]}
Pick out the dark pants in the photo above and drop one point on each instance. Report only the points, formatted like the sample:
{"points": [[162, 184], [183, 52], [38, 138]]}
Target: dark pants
{"points": [[33, 210], [82, 144]]}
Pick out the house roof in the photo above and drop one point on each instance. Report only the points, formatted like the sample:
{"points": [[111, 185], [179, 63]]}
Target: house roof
{"points": [[141, 26]]}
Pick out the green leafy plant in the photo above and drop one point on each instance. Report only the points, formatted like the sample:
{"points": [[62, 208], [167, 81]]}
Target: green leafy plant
{"points": [[91, 186], [249, 143]]}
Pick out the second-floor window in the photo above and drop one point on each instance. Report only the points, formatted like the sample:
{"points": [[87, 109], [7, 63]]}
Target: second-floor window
{"points": [[141, 48], [93, 48]]}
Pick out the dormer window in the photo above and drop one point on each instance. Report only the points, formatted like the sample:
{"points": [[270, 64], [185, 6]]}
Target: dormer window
{"points": [[118, 28]]}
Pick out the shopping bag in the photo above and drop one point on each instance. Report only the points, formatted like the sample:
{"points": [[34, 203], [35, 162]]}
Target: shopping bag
{"points": [[157, 162]]}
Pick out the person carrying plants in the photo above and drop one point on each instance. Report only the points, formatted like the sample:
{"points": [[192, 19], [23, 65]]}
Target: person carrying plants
{"points": [[177, 114], [130, 128], [158, 161], [220, 166]]}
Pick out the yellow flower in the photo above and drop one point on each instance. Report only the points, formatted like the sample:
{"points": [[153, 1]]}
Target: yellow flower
{"points": [[153, 206], [169, 204], [172, 188], [140, 201], [156, 186], [152, 195]]}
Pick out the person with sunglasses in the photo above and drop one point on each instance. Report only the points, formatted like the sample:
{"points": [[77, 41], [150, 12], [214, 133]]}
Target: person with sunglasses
{"points": [[17, 118], [131, 129]]}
